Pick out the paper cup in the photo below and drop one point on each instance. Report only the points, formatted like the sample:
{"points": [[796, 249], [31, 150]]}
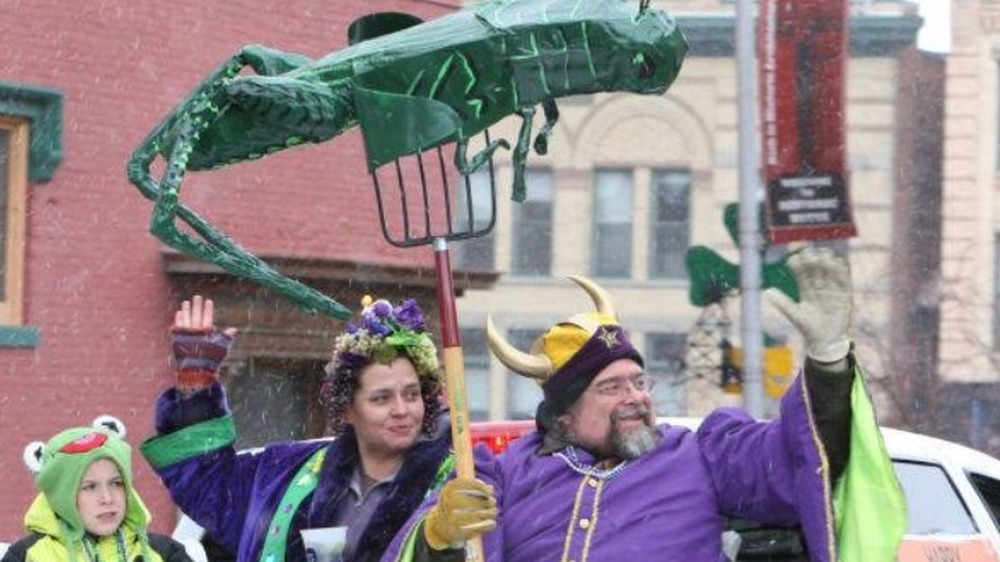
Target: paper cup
{"points": [[324, 544]]}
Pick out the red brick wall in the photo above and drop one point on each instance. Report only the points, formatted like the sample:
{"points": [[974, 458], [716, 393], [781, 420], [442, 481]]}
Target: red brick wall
{"points": [[96, 289]]}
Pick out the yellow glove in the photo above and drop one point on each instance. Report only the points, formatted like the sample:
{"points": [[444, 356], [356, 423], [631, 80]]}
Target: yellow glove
{"points": [[466, 508]]}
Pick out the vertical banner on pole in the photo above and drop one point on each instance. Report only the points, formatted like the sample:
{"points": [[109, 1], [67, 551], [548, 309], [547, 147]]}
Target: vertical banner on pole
{"points": [[803, 52]]}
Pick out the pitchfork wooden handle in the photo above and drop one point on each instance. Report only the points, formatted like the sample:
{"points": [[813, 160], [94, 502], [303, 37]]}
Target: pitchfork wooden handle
{"points": [[461, 438]]}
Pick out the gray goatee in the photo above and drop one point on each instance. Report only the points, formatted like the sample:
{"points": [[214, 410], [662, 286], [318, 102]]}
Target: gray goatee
{"points": [[636, 442]]}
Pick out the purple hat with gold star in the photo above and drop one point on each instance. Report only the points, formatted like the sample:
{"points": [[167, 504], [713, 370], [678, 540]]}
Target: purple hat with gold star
{"points": [[570, 354]]}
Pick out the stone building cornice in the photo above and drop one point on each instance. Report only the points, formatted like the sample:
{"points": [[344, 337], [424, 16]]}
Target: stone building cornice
{"points": [[337, 270], [870, 35]]}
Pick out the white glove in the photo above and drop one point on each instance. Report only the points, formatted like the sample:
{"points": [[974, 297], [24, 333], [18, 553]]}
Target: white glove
{"points": [[823, 313]]}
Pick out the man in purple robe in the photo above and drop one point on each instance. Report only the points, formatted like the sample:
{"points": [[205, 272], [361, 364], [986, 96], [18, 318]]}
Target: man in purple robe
{"points": [[599, 481]]}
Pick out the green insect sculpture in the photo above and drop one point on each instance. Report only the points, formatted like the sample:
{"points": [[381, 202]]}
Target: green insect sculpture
{"points": [[410, 86]]}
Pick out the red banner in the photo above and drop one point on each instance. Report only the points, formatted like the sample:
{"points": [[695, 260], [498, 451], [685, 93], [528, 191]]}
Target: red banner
{"points": [[803, 52]]}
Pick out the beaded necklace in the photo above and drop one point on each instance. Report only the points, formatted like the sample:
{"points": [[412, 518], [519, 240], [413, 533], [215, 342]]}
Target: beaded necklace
{"points": [[92, 554], [572, 458]]}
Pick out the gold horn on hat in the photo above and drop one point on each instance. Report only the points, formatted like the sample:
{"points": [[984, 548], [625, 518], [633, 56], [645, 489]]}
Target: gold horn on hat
{"points": [[568, 336], [601, 298], [537, 367]]}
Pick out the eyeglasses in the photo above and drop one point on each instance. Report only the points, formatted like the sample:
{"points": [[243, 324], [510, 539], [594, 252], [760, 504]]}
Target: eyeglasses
{"points": [[620, 386]]}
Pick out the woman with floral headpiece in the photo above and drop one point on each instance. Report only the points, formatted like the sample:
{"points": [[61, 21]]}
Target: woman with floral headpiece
{"points": [[391, 447]]}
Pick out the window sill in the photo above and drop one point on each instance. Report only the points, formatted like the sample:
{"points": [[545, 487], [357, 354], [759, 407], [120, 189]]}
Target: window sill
{"points": [[18, 336]]}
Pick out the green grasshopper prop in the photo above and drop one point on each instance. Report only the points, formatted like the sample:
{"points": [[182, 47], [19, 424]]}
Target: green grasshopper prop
{"points": [[409, 86]]}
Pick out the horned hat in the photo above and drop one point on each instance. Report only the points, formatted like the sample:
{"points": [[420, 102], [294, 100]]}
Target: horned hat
{"points": [[570, 354]]}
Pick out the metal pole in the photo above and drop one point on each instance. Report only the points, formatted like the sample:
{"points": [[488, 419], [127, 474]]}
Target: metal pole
{"points": [[750, 258]]}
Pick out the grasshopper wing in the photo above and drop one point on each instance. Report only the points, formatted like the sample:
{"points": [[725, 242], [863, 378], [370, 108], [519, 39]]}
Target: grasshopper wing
{"points": [[395, 125]]}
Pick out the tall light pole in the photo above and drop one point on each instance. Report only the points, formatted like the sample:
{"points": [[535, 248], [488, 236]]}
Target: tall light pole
{"points": [[750, 179]]}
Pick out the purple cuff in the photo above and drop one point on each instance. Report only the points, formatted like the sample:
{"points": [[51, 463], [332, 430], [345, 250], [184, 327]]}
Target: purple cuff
{"points": [[175, 411]]}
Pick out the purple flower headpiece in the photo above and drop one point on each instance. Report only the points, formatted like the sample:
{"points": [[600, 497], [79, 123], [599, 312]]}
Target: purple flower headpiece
{"points": [[381, 318], [386, 329]]}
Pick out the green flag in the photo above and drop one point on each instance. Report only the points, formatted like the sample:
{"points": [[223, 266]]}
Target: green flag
{"points": [[868, 502]]}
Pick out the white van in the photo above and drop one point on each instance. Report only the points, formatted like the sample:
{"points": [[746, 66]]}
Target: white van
{"points": [[953, 498], [952, 493]]}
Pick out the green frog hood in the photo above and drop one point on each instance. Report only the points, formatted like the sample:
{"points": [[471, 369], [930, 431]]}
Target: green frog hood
{"points": [[61, 464]]}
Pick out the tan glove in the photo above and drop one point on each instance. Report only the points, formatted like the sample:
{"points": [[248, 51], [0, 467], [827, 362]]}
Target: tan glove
{"points": [[466, 508], [823, 313]]}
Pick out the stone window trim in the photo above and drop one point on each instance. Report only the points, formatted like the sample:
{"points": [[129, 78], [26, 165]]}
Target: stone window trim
{"points": [[35, 112], [43, 109]]}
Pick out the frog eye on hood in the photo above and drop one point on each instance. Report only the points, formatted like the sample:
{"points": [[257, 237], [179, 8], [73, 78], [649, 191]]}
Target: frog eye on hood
{"points": [[110, 423], [33, 456]]}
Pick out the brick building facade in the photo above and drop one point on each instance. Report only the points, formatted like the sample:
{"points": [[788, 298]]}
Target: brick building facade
{"points": [[98, 291]]}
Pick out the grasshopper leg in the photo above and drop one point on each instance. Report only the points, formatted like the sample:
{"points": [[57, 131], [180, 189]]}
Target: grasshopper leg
{"points": [[462, 162], [520, 156], [551, 118]]}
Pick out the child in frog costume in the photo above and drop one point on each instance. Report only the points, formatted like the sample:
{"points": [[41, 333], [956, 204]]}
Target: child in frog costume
{"points": [[87, 508]]}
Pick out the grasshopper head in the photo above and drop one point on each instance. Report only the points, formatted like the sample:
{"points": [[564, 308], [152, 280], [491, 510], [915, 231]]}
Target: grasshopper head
{"points": [[644, 53]]}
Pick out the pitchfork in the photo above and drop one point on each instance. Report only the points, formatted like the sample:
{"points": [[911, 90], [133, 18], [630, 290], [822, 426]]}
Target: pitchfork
{"points": [[412, 216]]}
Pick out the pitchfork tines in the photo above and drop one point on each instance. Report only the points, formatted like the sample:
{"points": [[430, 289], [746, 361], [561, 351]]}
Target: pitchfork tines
{"points": [[445, 205]]}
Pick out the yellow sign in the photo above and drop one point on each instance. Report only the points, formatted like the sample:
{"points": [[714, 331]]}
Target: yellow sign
{"points": [[778, 368]]}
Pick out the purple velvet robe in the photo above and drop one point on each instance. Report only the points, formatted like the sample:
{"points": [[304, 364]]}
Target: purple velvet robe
{"points": [[669, 504]]}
